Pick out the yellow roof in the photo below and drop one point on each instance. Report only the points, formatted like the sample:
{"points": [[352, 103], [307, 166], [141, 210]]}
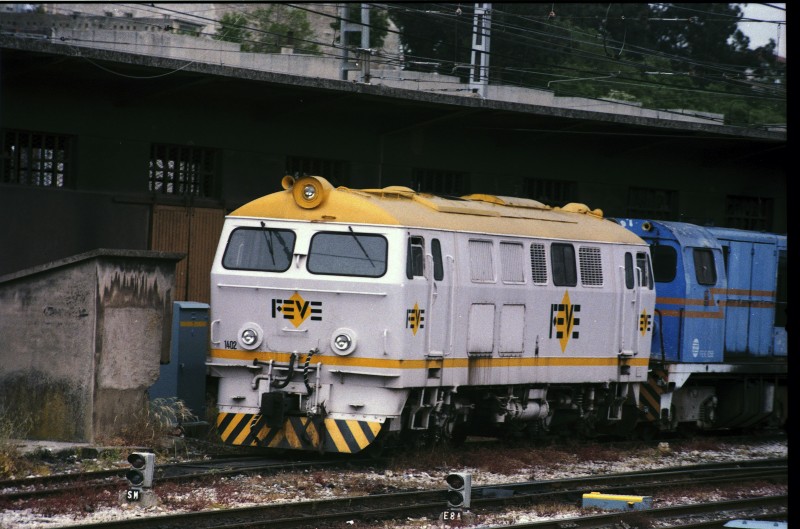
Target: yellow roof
{"points": [[401, 206]]}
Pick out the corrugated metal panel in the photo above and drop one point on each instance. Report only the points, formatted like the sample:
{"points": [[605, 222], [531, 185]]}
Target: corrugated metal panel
{"points": [[195, 232], [170, 233], [206, 228]]}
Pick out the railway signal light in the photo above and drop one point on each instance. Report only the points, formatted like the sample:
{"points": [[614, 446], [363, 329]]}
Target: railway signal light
{"points": [[140, 475], [459, 490]]}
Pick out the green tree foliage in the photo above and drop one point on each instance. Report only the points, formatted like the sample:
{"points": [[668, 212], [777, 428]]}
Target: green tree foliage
{"points": [[268, 29], [233, 28]]}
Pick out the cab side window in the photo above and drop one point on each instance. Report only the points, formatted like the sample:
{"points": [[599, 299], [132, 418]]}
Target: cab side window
{"points": [[628, 270], [704, 269], [415, 260], [562, 257], [643, 263], [665, 263], [438, 265]]}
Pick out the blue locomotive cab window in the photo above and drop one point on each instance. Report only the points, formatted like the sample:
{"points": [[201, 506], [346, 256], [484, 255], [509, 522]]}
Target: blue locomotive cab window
{"points": [[665, 263], [259, 249], [704, 269], [347, 254], [562, 257], [415, 260]]}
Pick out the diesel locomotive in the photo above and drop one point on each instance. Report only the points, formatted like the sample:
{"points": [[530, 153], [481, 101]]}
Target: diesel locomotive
{"points": [[345, 319], [719, 352]]}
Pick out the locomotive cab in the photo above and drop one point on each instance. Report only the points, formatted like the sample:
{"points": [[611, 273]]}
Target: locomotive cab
{"points": [[718, 356]]}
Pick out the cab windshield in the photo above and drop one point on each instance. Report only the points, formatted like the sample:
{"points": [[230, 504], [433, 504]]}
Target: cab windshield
{"points": [[347, 254], [262, 249]]}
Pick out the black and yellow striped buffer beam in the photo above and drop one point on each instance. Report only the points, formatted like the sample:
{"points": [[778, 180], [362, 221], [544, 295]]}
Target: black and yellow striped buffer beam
{"points": [[651, 393], [346, 436]]}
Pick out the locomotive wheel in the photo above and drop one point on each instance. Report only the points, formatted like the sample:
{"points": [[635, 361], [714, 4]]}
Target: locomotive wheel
{"points": [[385, 443], [646, 431], [457, 434]]}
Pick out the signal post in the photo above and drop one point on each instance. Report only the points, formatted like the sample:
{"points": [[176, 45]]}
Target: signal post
{"points": [[459, 497], [140, 480]]}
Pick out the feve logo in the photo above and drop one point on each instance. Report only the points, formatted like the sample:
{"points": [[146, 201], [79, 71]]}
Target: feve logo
{"points": [[645, 320], [563, 321], [415, 319], [296, 309]]}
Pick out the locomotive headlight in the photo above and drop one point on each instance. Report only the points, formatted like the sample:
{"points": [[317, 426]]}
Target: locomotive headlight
{"points": [[250, 336], [309, 192], [343, 341]]}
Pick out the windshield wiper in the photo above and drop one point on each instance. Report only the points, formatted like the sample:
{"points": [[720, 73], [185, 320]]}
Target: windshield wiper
{"points": [[361, 246], [269, 241]]}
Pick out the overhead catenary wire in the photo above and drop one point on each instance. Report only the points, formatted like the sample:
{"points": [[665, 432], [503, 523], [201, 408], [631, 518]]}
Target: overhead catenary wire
{"points": [[528, 37]]}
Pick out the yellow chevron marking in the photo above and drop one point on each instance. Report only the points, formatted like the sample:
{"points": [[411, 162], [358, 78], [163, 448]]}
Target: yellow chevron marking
{"points": [[375, 427], [291, 434], [262, 434], [311, 431], [358, 433], [336, 436], [236, 419], [652, 400], [276, 441], [242, 435]]}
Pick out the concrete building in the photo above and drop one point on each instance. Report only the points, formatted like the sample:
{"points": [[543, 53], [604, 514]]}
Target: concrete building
{"points": [[83, 340]]}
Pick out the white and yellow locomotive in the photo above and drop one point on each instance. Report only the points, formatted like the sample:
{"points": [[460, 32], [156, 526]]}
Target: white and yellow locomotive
{"points": [[343, 317]]}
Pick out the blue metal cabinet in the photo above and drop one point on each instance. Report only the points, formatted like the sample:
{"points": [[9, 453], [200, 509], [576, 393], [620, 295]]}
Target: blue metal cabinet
{"points": [[184, 377]]}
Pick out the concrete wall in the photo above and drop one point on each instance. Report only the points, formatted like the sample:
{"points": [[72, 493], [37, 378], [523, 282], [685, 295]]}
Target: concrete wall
{"points": [[83, 339], [229, 54]]}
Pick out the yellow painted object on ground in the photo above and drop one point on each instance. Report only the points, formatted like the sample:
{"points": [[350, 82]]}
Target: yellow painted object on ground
{"points": [[617, 502]]}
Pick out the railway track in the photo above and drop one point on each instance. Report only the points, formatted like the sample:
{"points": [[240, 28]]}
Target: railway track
{"points": [[42, 486], [317, 513], [709, 515]]}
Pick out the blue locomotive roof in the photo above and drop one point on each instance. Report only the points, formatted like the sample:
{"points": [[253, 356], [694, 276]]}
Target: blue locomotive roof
{"points": [[685, 234], [732, 234]]}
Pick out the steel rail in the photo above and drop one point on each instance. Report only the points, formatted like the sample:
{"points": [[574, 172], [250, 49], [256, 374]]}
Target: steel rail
{"points": [[299, 514], [169, 473]]}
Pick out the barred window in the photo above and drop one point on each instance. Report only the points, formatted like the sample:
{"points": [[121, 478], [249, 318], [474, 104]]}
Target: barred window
{"points": [[181, 170], [551, 192], [337, 172], [440, 182], [646, 203], [591, 266], [538, 264], [37, 159], [748, 213]]}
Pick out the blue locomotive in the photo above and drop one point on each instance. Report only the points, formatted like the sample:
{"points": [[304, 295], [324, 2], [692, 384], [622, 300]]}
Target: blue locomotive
{"points": [[719, 352]]}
